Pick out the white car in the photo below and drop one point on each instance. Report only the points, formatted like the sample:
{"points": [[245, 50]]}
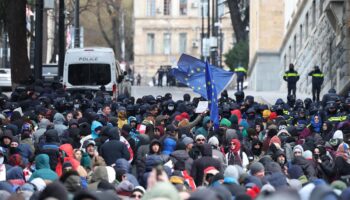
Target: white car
{"points": [[5, 78]]}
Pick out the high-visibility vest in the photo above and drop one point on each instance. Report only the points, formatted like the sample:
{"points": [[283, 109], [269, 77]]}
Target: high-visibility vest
{"points": [[240, 69], [320, 75]]}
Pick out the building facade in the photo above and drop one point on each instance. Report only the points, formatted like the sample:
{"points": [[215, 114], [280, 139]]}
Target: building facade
{"points": [[164, 29], [317, 33]]}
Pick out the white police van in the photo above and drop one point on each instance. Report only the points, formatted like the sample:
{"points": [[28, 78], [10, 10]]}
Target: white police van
{"points": [[90, 68]]}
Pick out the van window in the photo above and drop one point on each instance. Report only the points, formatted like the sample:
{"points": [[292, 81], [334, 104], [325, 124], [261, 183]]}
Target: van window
{"points": [[89, 74]]}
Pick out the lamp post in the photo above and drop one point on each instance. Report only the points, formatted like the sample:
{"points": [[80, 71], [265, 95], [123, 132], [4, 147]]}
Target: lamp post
{"points": [[38, 55], [61, 38]]}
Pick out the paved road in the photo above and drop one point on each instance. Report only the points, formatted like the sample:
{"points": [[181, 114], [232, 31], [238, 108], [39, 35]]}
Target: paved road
{"points": [[178, 92]]}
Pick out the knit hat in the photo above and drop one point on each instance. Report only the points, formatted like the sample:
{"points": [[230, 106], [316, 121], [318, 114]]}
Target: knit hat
{"points": [[140, 189], [231, 172], [298, 147], [125, 188], [307, 154], [213, 141], [200, 137], [225, 122], [54, 190], [266, 114], [256, 167], [338, 135], [187, 141], [39, 183], [276, 140], [211, 170], [162, 190], [176, 180]]}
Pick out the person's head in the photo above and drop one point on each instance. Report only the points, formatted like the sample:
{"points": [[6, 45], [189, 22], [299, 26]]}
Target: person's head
{"points": [[14, 144], [316, 119], [291, 66], [317, 67], [78, 154], [137, 193], [90, 147], [298, 151], [200, 139], [69, 116], [281, 159], [106, 110], [188, 142], [257, 169]]}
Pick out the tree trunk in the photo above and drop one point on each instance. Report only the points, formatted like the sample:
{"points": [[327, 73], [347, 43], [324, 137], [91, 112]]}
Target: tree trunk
{"points": [[16, 27], [239, 25]]}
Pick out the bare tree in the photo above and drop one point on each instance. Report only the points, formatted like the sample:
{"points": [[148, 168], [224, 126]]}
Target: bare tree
{"points": [[113, 8], [239, 11], [16, 27]]}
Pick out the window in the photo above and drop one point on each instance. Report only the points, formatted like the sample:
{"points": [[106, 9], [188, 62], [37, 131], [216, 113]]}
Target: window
{"points": [[183, 7], [290, 54], [321, 7], [285, 61], [313, 13], [167, 43], [182, 42], [150, 43], [307, 25], [301, 36], [295, 48], [167, 7], [151, 7], [94, 74], [203, 8]]}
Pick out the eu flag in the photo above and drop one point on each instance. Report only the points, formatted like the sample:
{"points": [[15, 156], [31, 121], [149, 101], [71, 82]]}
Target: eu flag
{"points": [[212, 96], [191, 71]]}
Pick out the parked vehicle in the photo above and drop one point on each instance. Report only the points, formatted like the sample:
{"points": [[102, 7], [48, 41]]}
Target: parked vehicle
{"points": [[5, 78], [90, 69]]}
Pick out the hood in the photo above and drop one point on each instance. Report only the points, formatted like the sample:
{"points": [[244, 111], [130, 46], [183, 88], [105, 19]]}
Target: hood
{"points": [[100, 173], [113, 133], [94, 125], [132, 118], [42, 161], [206, 150], [51, 136], [14, 173], [238, 113], [180, 155], [155, 141], [205, 121], [68, 149], [121, 163], [58, 118], [44, 123]]}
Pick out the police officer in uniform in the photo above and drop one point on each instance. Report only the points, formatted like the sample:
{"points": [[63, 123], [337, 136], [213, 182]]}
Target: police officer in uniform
{"points": [[292, 77], [241, 74], [317, 80]]}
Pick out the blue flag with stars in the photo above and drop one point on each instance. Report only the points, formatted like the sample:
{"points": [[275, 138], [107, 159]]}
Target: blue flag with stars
{"points": [[212, 96], [191, 71]]}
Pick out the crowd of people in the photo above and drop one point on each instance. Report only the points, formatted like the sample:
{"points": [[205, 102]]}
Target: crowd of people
{"points": [[85, 146]]}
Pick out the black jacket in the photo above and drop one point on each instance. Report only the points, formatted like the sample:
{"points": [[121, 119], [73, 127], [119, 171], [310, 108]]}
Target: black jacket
{"points": [[199, 165], [317, 77], [114, 149], [291, 76]]}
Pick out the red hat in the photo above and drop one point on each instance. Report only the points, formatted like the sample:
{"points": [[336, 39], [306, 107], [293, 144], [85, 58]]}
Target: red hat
{"points": [[185, 115], [211, 170], [178, 118], [273, 116]]}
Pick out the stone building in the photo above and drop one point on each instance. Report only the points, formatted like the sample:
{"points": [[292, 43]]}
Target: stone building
{"points": [[164, 29], [317, 33]]}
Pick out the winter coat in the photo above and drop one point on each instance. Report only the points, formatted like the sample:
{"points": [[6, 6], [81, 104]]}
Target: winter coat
{"points": [[291, 76], [306, 165], [43, 168], [182, 156], [114, 149], [58, 120], [169, 145], [317, 77], [197, 171], [41, 129]]}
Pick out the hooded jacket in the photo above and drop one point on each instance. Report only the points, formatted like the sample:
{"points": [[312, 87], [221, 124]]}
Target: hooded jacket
{"points": [[182, 156], [15, 176], [43, 168], [114, 149], [203, 129], [58, 120], [197, 171], [41, 129]]}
